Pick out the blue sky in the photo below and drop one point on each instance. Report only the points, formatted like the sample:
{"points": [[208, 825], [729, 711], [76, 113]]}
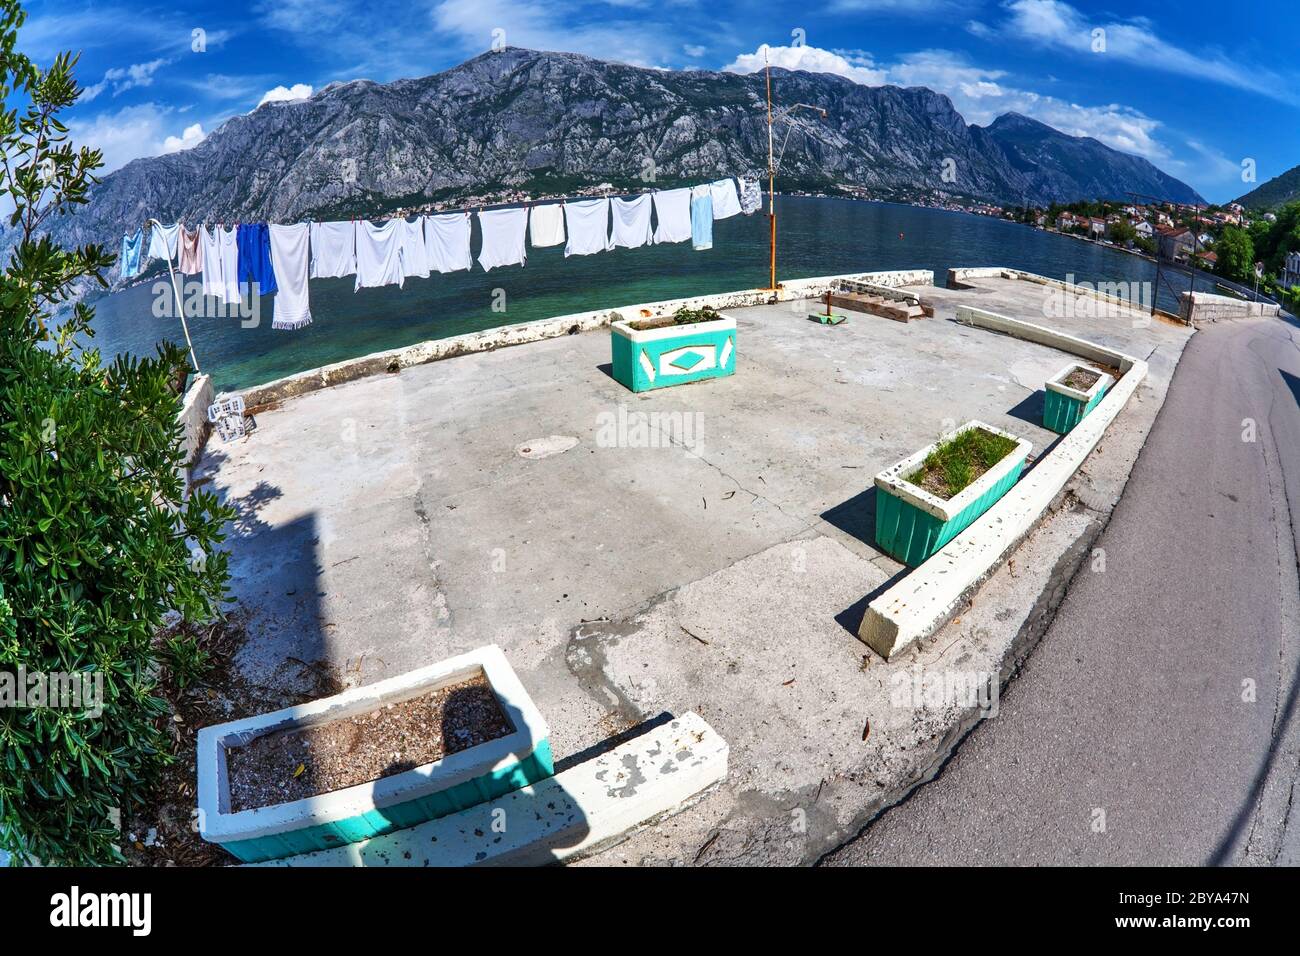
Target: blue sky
{"points": [[1196, 87]]}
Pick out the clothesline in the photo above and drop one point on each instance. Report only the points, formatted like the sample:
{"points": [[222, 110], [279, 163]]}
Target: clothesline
{"points": [[273, 258]]}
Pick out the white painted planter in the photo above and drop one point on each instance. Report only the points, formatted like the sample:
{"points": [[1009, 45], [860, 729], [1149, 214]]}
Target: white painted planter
{"points": [[892, 480], [912, 524], [643, 359], [1064, 407], [405, 799], [1056, 382]]}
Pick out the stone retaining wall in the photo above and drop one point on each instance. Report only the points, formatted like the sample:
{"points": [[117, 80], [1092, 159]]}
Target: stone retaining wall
{"points": [[1208, 307]]}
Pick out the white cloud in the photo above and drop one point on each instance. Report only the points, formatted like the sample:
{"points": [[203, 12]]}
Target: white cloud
{"points": [[191, 137], [284, 94], [125, 78], [902, 7], [564, 25], [1209, 165], [132, 132], [304, 16], [1056, 24], [856, 67], [110, 25], [979, 94]]}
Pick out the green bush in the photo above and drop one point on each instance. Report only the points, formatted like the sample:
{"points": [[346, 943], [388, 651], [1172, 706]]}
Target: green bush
{"points": [[97, 542]]}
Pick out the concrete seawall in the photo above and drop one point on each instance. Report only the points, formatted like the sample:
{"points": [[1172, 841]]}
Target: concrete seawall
{"points": [[394, 360]]}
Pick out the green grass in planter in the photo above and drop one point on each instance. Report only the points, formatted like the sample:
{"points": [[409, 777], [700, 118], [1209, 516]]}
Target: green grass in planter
{"points": [[956, 462]]}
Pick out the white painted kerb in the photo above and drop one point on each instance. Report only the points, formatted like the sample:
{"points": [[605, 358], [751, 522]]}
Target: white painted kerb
{"points": [[920, 603], [218, 824], [573, 813]]}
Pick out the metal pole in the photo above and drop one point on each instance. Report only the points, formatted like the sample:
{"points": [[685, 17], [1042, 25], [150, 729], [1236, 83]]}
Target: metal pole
{"points": [[771, 179], [1156, 294], [180, 308]]}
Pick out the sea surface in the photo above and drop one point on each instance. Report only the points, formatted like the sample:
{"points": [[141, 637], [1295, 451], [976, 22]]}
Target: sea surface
{"points": [[816, 236]]}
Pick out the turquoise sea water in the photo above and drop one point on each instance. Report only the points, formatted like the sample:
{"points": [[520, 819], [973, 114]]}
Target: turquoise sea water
{"points": [[816, 237]]}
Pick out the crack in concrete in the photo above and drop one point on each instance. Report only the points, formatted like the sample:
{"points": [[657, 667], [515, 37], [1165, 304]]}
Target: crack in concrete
{"points": [[807, 524]]}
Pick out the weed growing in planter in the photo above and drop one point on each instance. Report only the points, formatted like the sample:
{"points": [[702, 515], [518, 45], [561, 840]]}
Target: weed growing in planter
{"points": [[957, 461], [682, 316]]}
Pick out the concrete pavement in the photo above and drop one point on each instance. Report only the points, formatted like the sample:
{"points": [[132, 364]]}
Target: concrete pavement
{"points": [[708, 547], [1156, 722]]}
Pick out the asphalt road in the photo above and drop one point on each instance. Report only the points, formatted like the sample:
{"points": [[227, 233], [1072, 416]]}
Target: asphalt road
{"points": [[1157, 722]]}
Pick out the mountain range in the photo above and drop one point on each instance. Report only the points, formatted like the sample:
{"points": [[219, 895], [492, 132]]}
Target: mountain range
{"points": [[1278, 191], [555, 123]]}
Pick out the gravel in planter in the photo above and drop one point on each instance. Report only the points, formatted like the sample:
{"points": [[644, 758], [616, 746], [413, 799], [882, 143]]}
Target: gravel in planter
{"points": [[308, 761], [958, 461], [1081, 379]]}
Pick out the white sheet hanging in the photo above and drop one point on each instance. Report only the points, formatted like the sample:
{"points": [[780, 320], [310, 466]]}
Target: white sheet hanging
{"points": [[415, 257], [228, 250], [726, 201], [588, 225], [751, 196], [290, 255], [163, 240], [673, 209], [333, 250], [504, 231], [446, 242], [210, 251], [379, 254], [546, 225], [632, 222]]}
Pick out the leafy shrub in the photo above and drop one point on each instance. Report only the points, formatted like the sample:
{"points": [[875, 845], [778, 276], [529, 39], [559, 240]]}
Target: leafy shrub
{"points": [[97, 542]]}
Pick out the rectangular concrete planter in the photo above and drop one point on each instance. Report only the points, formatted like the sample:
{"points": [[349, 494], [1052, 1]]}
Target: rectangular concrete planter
{"points": [[912, 524], [455, 782], [673, 355], [1064, 407]]}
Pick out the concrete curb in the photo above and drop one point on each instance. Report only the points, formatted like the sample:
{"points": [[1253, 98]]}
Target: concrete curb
{"points": [[394, 360], [577, 812], [924, 600]]}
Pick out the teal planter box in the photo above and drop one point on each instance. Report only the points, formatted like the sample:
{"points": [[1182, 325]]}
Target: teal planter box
{"points": [[672, 355], [912, 524], [455, 782], [1063, 406]]}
